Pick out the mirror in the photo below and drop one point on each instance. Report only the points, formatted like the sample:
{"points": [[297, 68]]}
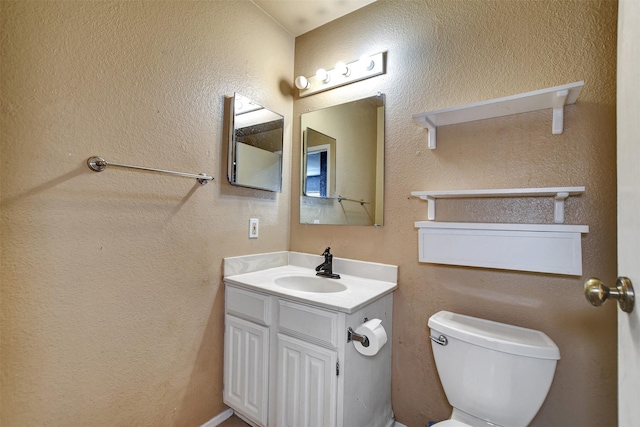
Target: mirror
{"points": [[342, 164], [255, 145]]}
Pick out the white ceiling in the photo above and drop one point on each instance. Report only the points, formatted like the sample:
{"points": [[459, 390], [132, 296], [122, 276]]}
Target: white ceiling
{"points": [[301, 16]]}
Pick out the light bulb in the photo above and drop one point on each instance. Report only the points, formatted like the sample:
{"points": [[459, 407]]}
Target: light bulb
{"points": [[367, 62], [323, 75], [342, 69], [301, 82]]}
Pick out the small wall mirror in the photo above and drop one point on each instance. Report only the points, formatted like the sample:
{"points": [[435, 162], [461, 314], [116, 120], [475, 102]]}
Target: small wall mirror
{"points": [[342, 165], [255, 145]]}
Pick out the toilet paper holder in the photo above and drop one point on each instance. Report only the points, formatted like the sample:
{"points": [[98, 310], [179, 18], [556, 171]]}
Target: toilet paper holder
{"points": [[352, 336]]}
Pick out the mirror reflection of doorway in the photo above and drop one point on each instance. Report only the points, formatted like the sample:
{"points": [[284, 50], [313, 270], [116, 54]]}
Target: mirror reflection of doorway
{"points": [[319, 178]]}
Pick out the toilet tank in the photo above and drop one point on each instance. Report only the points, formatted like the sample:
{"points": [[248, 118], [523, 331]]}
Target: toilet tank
{"points": [[496, 372]]}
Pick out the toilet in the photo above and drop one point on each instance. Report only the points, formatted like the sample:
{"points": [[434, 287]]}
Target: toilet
{"points": [[493, 374]]}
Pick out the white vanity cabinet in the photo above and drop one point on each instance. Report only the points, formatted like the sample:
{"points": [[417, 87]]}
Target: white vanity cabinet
{"points": [[246, 354], [288, 363], [307, 371], [307, 384]]}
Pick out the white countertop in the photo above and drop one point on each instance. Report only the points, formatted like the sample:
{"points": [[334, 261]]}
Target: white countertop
{"points": [[360, 291]]}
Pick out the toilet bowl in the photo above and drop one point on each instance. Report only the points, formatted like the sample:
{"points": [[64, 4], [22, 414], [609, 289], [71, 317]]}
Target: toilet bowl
{"points": [[493, 374]]}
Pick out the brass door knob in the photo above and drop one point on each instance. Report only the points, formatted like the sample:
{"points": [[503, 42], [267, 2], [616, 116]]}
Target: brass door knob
{"points": [[597, 293]]}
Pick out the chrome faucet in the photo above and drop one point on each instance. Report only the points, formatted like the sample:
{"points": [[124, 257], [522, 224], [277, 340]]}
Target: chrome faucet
{"points": [[326, 268]]}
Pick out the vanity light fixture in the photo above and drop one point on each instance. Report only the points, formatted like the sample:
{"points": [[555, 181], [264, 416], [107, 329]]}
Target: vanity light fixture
{"points": [[323, 75], [302, 82], [342, 69], [365, 67], [367, 62]]}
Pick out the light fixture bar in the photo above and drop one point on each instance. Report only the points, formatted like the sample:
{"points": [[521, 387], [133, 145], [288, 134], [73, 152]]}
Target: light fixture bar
{"points": [[364, 68]]}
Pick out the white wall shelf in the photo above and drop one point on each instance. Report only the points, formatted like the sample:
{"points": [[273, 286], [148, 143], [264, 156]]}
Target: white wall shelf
{"points": [[559, 194], [555, 97], [542, 248], [545, 248]]}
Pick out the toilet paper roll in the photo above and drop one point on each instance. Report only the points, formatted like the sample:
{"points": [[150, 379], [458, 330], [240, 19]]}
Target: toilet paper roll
{"points": [[373, 330]]}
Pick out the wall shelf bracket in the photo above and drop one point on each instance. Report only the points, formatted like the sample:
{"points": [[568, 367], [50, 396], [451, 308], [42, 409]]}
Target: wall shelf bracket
{"points": [[431, 207], [428, 124], [558, 206], [558, 112]]}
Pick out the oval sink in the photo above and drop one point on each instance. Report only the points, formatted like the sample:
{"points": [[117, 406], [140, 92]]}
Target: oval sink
{"points": [[310, 284]]}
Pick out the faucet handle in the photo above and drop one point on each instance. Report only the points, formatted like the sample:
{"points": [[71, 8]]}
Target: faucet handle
{"points": [[327, 251]]}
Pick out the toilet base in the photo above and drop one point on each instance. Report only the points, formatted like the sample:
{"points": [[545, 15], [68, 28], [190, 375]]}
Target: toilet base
{"points": [[462, 419]]}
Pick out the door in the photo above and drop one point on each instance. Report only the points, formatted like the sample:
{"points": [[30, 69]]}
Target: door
{"points": [[307, 384], [628, 111], [246, 368]]}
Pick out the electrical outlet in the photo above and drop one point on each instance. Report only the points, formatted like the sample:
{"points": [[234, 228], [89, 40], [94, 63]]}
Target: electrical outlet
{"points": [[253, 228]]}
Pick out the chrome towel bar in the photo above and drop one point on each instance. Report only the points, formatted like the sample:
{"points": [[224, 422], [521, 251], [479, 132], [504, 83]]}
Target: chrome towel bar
{"points": [[362, 202], [98, 164]]}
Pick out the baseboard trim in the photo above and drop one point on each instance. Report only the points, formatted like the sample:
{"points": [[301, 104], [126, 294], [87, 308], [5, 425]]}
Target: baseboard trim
{"points": [[225, 415], [219, 419]]}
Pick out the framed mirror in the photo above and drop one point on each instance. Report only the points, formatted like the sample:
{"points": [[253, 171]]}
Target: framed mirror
{"points": [[342, 164], [255, 145]]}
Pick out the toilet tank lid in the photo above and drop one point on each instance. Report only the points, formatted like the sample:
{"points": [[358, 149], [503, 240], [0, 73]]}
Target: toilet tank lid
{"points": [[494, 335]]}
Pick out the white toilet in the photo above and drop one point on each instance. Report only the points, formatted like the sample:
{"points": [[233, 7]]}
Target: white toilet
{"points": [[493, 374]]}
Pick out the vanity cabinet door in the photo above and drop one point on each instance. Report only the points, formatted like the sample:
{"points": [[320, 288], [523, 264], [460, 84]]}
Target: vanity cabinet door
{"points": [[307, 384], [246, 368]]}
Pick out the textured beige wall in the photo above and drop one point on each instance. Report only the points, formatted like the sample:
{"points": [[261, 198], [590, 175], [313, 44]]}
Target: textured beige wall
{"points": [[112, 300], [445, 53]]}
